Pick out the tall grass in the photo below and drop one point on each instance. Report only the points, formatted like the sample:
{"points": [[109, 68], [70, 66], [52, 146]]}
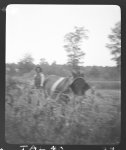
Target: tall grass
{"points": [[32, 118]]}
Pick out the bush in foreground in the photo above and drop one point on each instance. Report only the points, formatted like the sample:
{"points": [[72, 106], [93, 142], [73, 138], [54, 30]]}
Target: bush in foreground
{"points": [[31, 118]]}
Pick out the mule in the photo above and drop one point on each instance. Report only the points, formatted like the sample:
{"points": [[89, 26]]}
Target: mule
{"points": [[54, 85]]}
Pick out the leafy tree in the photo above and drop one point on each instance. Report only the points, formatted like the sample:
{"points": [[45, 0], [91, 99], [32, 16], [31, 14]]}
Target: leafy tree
{"points": [[111, 73], [115, 45], [11, 69], [94, 72], [43, 61], [72, 46], [27, 59], [26, 64], [53, 63]]}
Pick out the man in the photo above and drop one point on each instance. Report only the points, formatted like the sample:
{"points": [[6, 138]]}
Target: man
{"points": [[77, 73], [39, 77]]}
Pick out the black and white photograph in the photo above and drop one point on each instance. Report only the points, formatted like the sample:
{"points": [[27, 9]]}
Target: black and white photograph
{"points": [[63, 74]]}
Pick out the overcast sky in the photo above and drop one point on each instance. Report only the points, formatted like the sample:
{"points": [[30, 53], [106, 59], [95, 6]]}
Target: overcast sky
{"points": [[40, 29]]}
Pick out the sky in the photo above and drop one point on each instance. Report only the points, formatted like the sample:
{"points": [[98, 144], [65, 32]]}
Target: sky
{"points": [[39, 30]]}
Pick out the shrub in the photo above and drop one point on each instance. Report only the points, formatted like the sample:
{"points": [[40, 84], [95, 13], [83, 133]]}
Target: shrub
{"points": [[32, 118]]}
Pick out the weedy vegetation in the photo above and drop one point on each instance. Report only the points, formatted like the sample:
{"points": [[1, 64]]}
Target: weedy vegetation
{"points": [[31, 118]]}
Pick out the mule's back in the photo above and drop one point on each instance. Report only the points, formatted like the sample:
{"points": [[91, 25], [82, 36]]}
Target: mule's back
{"points": [[56, 84], [50, 83]]}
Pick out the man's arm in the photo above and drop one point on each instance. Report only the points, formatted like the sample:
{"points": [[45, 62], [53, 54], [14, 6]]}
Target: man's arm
{"points": [[42, 79]]}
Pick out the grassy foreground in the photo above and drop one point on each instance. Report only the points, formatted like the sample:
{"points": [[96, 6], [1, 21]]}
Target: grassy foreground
{"points": [[31, 118]]}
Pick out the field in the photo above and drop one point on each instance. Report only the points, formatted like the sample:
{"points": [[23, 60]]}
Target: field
{"points": [[89, 120], [110, 85]]}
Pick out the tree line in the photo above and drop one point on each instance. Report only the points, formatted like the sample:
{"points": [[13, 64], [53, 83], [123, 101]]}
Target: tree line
{"points": [[75, 54], [90, 72], [74, 39]]}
